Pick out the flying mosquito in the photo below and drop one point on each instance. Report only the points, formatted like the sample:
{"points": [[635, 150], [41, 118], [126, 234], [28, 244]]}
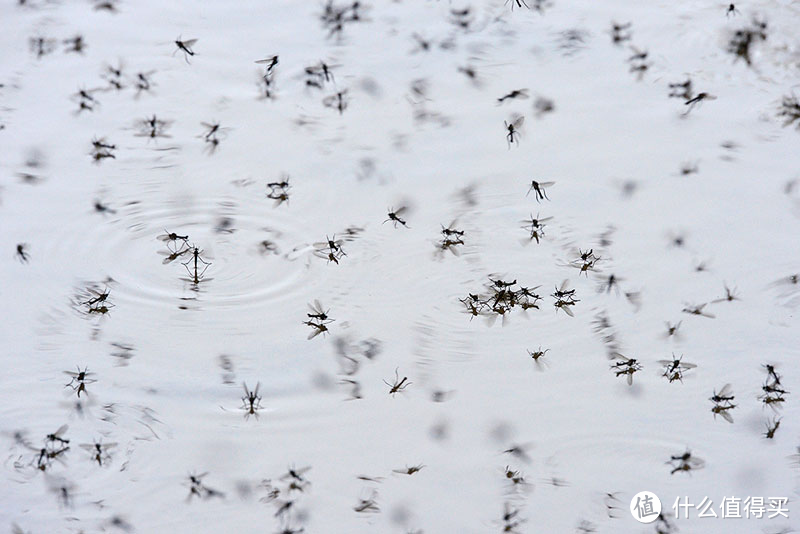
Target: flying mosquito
{"points": [[693, 102], [685, 462], [22, 253], [99, 451], [516, 93], [722, 410], [251, 402], [409, 470], [394, 216], [398, 385], [539, 189], [730, 296], [269, 63], [185, 47], [620, 32], [512, 130], [697, 310], [337, 101]]}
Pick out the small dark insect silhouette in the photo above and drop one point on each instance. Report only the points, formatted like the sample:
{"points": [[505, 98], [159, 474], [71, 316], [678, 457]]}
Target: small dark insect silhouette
{"points": [[199, 265], [790, 110], [337, 101], [514, 476], [512, 130], [516, 93], [535, 225], [99, 451], [99, 207], [317, 327], [318, 75], [172, 237], [725, 395], [730, 296], [741, 43], [731, 10], [638, 61], [57, 436], [368, 505], [79, 380], [537, 354], [185, 47], [681, 90], [269, 63], [398, 385], [198, 489], [153, 127], [319, 313], [626, 367], [772, 428], [409, 470], [251, 402], [75, 44], [394, 216], [279, 191], [698, 310], [685, 462], [692, 102], [143, 82], [539, 189], [620, 32], [22, 252], [518, 3]]}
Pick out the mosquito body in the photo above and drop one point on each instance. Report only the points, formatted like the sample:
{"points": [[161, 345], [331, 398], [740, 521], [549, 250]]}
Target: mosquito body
{"points": [[539, 190], [698, 310], [394, 216], [269, 64], [199, 265], [185, 47], [409, 470], [512, 130], [79, 380], [513, 95], [57, 436], [398, 385], [22, 253]]}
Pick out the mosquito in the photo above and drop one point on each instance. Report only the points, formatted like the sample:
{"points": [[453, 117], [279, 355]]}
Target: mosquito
{"points": [[772, 428], [143, 83], [731, 10], [394, 216], [22, 253], [196, 273], [681, 89], [269, 63], [197, 488], [538, 353], [99, 207], [518, 3], [99, 296], [172, 236], [337, 101], [698, 310], [512, 130], [367, 505], [56, 436], [773, 374], [99, 451], [539, 189], [80, 379], [318, 327], [516, 93], [674, 369], [398, 385], [722, 411], [693, 102], [251, 402], [185, 47], [685, 462], [620, 32], [725, 395], [730, 295], [514, 476], [535, 225], [409, 470], [319, 312]]}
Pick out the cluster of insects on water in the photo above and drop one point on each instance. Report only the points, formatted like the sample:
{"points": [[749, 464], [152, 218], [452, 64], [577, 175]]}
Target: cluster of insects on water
{"points": [[285, 496], [179, 246], [774, 393], [153, 127], [79, 379], [499, 299], [198, 489], [742, 41]]}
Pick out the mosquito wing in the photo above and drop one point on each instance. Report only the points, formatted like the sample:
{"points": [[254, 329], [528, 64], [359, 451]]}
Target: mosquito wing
{"points": [[687, 365], [58, 433], [630, 379], [725, 391], [517, 122], [725, 415], [189, 42]]}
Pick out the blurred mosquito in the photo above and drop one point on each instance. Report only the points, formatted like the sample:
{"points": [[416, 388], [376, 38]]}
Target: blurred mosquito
{"points": [[269, 64], [693, 102], [698, 310], [790, 112], [173, 237], [79, 380], [114, 77], [535, 226], [185, 47], [99, 451], [317, 327], [513, 95], [143, 82], [730, 296], [279, 191], [75, 44], [675, 368], [318, 75], [620, 32], [22, 252], [152, 127], [731, 10], [409, 470], [772, 427], [638, 62], [512, 130], [85, 99], [398, 385], [394, 216], [682, 90], [41, 46], [514, 476], [368, 505], [251, 402], [197, 488], [57, 436], [685, 462], [336, 101]]}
